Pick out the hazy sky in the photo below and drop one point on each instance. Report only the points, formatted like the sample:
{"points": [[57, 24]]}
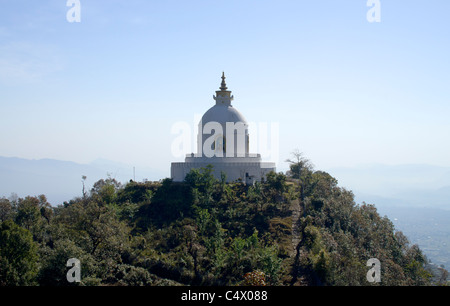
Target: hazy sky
{"points": [[343, 90]]}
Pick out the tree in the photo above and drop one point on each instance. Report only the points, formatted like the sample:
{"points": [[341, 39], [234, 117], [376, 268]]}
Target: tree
{"points": [[83, 181], [54, 267], [106, 190], [276, 181], [18, 256], [45, 208], [97, 231], [6, 209], [301, 169], [28, 213], [202, 181], [170, 202]]}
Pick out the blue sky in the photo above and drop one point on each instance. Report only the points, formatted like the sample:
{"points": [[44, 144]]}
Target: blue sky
{"points": [[343, 90]]}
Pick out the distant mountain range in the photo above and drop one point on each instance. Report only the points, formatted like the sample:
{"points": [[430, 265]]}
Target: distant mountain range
{"points": [[62, 180], [383, 185], [399, 185]]}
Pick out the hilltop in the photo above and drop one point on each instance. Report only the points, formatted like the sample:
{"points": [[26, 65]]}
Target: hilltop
{"points": [[294, 229]]}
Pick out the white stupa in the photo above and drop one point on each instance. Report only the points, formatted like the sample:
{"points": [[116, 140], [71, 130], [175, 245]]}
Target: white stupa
{"points": [[223, 142]]}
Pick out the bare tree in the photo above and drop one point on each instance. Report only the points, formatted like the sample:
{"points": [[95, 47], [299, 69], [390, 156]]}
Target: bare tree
{"points": [[83, 180], [300, 168]]}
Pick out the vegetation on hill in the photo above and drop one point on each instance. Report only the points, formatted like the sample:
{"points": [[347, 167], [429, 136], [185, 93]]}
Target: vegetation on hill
{"points": [[298, 228]]}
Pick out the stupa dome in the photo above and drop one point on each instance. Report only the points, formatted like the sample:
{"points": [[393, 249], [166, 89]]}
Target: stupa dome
{"points": [[222, 114]]}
